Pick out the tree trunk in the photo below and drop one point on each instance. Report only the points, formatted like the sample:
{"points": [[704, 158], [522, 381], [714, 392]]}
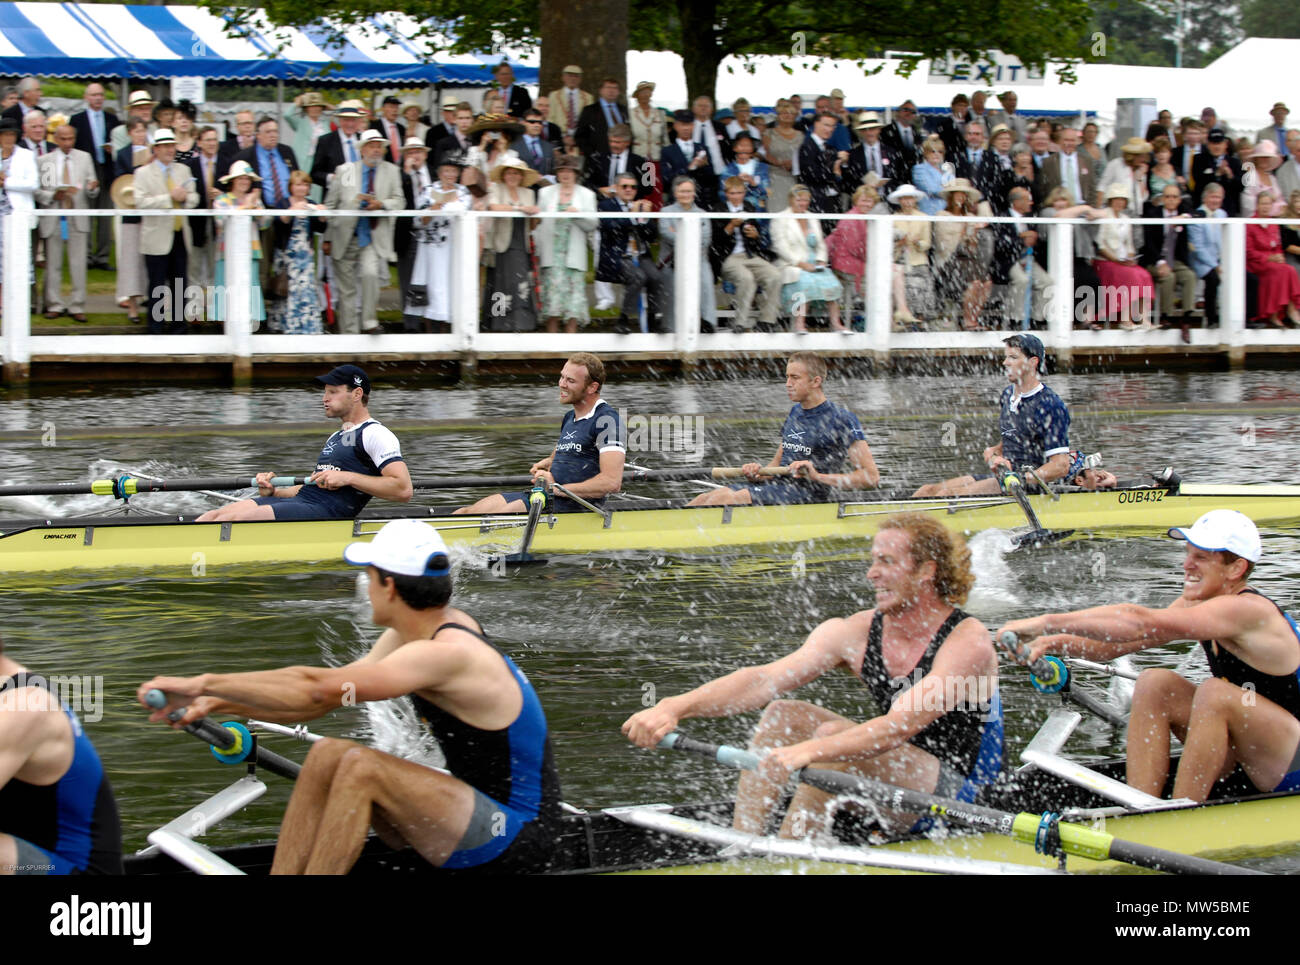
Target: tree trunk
{"points": [[701, 54], [589, 33]]}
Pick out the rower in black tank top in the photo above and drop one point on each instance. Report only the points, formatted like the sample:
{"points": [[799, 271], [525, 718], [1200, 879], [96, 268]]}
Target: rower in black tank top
{"points": [[1282, 689], [967, 740]]}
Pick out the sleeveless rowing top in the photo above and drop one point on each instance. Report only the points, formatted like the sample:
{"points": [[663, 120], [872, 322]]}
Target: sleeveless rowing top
{"points": [[1282, 689], [514, 766], [76, 816], [968, 738]]}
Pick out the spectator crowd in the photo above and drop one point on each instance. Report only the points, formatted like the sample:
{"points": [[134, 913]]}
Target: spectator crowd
{"points": [[584, 149]]}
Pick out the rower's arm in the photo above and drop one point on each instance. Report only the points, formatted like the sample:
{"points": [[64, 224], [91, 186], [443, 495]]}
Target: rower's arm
{"points": [[1073, 645], [865, 475], [543, 463], [393, 483], [829, 645], [608, 480], [1055, 468], [22, 727]]}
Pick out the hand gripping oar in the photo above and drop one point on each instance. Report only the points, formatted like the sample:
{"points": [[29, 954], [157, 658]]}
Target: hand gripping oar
{"points": [[124, 487], [1045, 832], [1014, 487], [231, 742], [1050, 675], [536, 505]]}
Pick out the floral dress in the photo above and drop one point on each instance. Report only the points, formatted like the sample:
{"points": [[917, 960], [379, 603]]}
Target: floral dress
{"points": [[564, 289], [300, 312]]}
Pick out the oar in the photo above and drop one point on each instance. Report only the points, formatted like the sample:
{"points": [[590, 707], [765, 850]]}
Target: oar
{"points": [[536, 503], [125, 486], [1037, 536], [1045, 832], [231, 742], [1050, 675], [631, 475]]}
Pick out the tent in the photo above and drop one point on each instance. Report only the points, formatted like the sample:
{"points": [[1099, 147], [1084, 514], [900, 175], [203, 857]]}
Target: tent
{"points": [[157, 42]]}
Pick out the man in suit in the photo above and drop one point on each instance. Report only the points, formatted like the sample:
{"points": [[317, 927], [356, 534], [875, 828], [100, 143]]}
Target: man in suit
{"points": [[1276, 132], [457, 145], [821, 166], [712, 134], [1040, 147], [34, 134], [416, 176], [273, 162], [1018, 123], [1164, 254], [138, 105], [517, 99], [685, 155], [625, 256], [952, 126], [1214, 165], [29, 99], [977, 164], [1184, 155], [362, 247], [339, 147], [870, 156], [163, 184], [393, 130], [602, 168], [445, 127], [1288, 172], [533, 147], [244, 137], [1014, 265], [69, 181], [741, 251], [978, 112], [94, 127], [594, 122], [1069, 169], [569, 100], [903, 137], [203, 242]]}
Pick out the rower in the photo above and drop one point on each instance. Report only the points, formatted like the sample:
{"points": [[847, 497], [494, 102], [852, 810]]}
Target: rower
{"points": [[1085, 472], [930, 668], [360, 460], [498, 806], [1034, 424], [588, 458], [57, 811], [819, 437], [1245, 720]]}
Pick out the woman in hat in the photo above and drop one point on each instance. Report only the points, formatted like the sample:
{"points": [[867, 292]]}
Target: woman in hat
{"points": [[751, 169], [741, 122], [1088, 142], [490, 136], [1265, 158], [1130, 171], [649, 124], [808, 284], [132, 276], [239, 196], [914, 299], [931, 175], [18, 179], [431, 268], [183, 129], [299, 312], [1279, 288], [508, 296], [415, 126], [562, 246], [781, 144], [164, 112], [1121, 276], [961, 272], [306, 118]]}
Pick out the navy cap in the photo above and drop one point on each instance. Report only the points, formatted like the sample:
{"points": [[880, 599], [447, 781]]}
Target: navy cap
{"points": [[1031, 345], [1216, 135], [352, 376], [685, 117]]}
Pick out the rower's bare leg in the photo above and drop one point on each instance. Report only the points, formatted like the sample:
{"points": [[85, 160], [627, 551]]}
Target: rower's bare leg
{"points": [[496, 503], [784, 722], [244, 509], [1230, 725], [8, 855], [1162, 705], [429, 809], [958, 486], [723, 496], [302, 817], [811, 811]]}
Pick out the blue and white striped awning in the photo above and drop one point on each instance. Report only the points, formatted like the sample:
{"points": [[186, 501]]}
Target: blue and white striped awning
{"points": [[117, 40]]}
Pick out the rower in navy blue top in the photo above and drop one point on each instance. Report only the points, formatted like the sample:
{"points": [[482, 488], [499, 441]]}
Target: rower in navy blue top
{"points": [[818, 439], [1034, 424], [362, 459], [499, 807], [588, 457]]}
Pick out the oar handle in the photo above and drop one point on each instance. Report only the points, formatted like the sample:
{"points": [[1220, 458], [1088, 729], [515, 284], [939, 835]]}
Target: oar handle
{"points": [[730, 756], [231, 743], [1050, 674], [735, 472]]}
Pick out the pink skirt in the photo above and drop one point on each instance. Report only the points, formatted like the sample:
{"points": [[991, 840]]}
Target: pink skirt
{"points": [[1121, 285]]}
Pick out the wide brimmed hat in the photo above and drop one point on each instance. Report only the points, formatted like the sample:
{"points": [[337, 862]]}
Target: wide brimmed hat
{"points": [[1264, 148], [906, 191], [455, 158], [531, 177], [240, 169], [414, 144], [961, 184], [369, 136], [352, 108], [496, 122], [450, 102], [313, 99], [412, 105], [1279, 106], [9, 124], [1001, 129], [867, 120], [140, 98], [1136, 145], [122, 190], [1117, 190], [643, 85], [164, 135]]}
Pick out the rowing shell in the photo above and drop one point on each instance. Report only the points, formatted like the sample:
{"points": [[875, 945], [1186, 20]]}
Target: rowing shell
{"points": [[177, 544]]}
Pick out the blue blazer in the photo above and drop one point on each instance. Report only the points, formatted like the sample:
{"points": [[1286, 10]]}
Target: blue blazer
{"points": [[930, 180], [1204, 243]]}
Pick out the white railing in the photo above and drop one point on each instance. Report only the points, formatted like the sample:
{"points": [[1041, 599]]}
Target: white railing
{"points": [[239, 343]]}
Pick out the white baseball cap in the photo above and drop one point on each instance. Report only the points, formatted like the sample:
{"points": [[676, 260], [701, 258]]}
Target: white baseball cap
{"points": [[404, 546], [1223, 529]]}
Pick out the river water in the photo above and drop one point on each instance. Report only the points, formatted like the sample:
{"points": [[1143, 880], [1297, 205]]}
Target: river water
{"points": [[599, 637]]}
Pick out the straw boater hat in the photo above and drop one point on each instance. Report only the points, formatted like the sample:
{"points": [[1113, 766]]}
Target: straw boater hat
{"points": [[352, 108], [450, 102], [496, 122], [313, 99], [644, 85], [1001, 129], [1136, 145], [140, 98], [163, 135], [572, 69], [411, 105], [906, 191], [240, 169], [122, 190], [868, 119], [1116, 190], [370, 136], [531, 177], [414, 144], [961, 184]]}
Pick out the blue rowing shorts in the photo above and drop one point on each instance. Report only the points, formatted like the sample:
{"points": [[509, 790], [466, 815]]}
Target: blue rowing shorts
{"points": [[295, 509], [780, 493], [492, 829], [37, 861]]}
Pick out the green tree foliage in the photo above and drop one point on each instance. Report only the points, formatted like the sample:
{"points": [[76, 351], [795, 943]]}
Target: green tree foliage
{"points": [[1142, 32], [1270, 18]]}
